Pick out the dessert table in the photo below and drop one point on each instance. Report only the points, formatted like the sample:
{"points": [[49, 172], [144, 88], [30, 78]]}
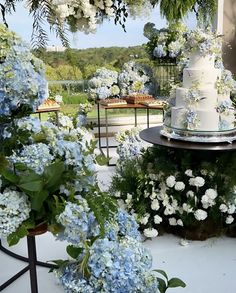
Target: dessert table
{"points": [[107, 108]]}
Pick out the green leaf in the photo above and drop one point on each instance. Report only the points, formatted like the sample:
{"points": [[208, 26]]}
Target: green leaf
{"points": [[35, 186], [13, 239], [102, 160], [38, 199], [3, 163], [73, 251], [161, 285], [53, 175], [10, 177], [163, 273], [176, 282]]}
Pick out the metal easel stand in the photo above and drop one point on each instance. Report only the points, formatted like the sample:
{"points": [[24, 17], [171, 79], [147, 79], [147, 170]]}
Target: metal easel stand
{"points": [[31, 267]]}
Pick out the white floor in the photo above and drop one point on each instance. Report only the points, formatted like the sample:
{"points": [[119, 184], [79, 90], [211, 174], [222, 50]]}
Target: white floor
{"points": [[206, 267]]}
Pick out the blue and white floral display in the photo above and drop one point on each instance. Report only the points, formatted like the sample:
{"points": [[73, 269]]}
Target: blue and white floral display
{"points": [[22, 81], [104, 84]]}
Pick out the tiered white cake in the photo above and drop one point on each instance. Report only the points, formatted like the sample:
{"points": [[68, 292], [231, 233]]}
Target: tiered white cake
{"points": [[198, 106]]}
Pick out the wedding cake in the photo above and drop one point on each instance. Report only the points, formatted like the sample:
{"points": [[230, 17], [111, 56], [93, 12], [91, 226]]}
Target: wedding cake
{"points": [[202, 104]]}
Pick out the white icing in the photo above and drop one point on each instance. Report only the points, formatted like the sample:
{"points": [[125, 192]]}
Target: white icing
{"points": [[196, 60], [178, 117], [208, 99], [207, 120], [202, 78]]}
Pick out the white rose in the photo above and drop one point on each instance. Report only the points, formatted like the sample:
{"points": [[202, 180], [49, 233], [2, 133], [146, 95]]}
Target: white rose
{"points": [[172, 222], [229, 220], [197, 181], [170, 181], [150, 232], [200, 215], [223, 208], [211, 193], [231, 209], [189, 173], [155, 205], [190, 193], [179, 186], [180, 222], [187, 208], [169, 210], [157, 219]]}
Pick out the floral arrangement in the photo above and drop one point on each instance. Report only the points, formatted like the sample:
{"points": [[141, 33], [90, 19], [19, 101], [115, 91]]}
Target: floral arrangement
{"points": [[130, 144], [205, 41], [135, 78], [165, 45], [227, 83], [83, 111], [104, 84], [47, 178], [22, 82], [179, 192]]}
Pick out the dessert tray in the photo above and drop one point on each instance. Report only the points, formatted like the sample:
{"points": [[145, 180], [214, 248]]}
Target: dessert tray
{"points": [[113, 102], [199, 136], [138, 98], [49, 104]]}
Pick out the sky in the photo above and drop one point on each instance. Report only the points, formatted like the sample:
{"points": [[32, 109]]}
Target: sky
{"points": [[108, 34]]}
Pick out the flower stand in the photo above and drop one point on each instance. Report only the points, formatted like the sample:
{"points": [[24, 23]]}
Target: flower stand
{"points": [[31, 261]]}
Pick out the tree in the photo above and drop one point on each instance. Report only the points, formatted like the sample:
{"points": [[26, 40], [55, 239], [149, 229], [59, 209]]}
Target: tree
{"points": [[68, 14]]}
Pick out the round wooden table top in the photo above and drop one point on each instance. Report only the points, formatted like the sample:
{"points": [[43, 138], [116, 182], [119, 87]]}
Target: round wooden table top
{"points": [[153, 136]]}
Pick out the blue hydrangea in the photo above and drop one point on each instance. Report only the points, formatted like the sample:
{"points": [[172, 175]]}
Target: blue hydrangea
{"points": [[22, 79], [78, 221], [35, 156], [159, 51], [115, 267]]}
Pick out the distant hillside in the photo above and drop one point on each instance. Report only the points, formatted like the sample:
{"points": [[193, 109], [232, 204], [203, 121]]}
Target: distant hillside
{"points": [[88, 60]]}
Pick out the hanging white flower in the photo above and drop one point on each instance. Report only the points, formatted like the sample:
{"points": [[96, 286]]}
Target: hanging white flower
{"points": [[229, 220], [200, 215], [150, 232], [170, 181]]}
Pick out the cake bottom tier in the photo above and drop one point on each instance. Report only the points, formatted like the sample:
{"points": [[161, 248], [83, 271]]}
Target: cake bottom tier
{"points": [[200, 120]]}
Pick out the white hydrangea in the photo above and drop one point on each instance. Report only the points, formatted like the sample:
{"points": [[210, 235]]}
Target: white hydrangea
{"points": [[229, 220], [200, 215], [170, 181], [155, 205], [211, 193], [179, 186], [14, 210], [150, 233], [197, 181], [157, 219]]}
